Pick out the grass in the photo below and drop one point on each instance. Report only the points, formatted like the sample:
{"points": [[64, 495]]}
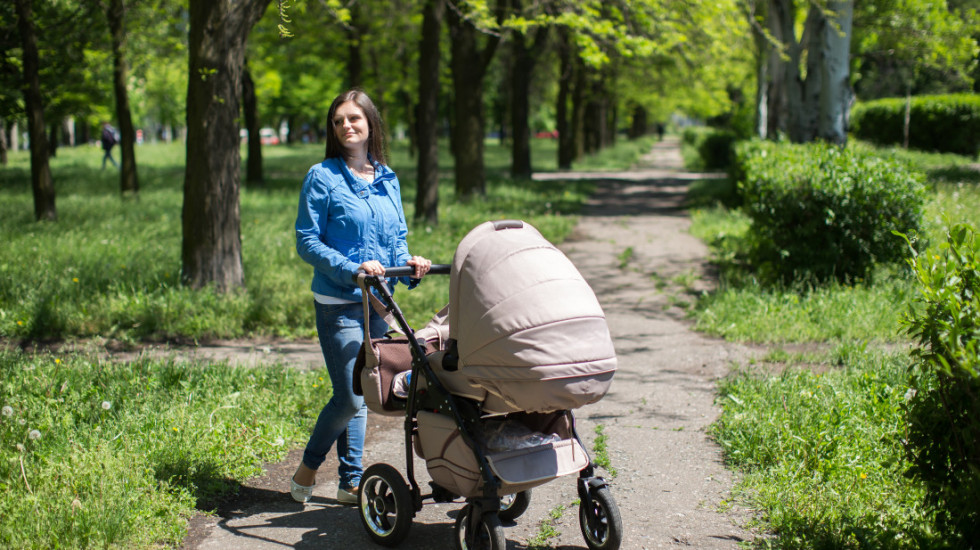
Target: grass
{"points": [[109, 267], [100, 453], [820, 454], [818, 436], [106, 454]]}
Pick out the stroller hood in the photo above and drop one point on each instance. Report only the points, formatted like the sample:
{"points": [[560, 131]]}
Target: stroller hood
{"points": [[528, 328]]}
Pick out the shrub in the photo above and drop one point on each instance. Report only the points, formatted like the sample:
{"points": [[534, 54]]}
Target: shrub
{"points": [[944, 123], [713, 147], [821, 212], [943, 411]]}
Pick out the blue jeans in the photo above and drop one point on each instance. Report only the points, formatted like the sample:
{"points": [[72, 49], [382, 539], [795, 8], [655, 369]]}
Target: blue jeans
{"points": [[340, 328]]}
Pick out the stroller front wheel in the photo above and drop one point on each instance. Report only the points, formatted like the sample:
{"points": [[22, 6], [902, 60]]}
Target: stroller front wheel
{"points": [[385, 503], [488, 534], [601, 523]]}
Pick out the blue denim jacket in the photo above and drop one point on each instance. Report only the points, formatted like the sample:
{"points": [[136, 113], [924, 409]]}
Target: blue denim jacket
{"points": [[344, 221]]}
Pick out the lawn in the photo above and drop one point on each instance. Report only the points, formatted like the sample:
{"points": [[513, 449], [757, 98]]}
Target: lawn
{"points": [[817, 436], [100, 453]]}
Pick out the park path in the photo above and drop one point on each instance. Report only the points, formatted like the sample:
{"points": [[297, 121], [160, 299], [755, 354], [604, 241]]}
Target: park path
{"points": [[632, 245]]}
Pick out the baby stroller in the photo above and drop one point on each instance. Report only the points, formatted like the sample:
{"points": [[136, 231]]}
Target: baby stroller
{"points": [[487, 388]]}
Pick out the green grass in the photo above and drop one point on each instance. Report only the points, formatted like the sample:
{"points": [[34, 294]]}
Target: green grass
{"points": [[109, 267], [123, 453], [96, 453], [820, 453]]}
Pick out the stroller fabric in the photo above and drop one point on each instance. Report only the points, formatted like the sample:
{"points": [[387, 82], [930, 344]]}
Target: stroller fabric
{"points": [[527, 326]]}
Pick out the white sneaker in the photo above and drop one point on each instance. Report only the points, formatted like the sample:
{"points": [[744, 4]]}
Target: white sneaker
{"points": [[347, 496], [300, 493]]}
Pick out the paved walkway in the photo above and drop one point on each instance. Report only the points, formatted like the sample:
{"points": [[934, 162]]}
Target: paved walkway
{"points": [[632, 245]]}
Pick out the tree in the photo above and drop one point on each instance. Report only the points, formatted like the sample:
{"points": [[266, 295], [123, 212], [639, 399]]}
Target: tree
{"points": [[427, 123], [469, 66], [41, 181], [253, 165], [116, 16], [212, 249], [525, 54]]}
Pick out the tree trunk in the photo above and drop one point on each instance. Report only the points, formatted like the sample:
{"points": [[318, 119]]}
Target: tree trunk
{"points": [[3, 142], [566, 142], [253, 164], [427, 121], [355, 63], [835, 75], [41, 181], [128, 179], [579, 98], [469, 65], [211, 252], [524, 57]]}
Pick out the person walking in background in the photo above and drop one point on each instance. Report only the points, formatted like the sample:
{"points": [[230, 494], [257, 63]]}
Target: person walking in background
{"points": [[350, 219], [108, 140]]}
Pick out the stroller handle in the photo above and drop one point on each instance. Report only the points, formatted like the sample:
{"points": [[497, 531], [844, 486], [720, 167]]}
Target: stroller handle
{"points": [[408, 270]]}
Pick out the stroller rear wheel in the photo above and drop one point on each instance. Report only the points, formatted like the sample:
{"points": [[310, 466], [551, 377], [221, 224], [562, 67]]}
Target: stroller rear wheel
{"points": [[487, 535], [601, 523], [386, 504], [513, 506]]}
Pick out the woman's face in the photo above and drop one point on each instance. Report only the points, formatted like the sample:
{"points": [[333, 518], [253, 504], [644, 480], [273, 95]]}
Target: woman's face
{"points": [[351, 127]]}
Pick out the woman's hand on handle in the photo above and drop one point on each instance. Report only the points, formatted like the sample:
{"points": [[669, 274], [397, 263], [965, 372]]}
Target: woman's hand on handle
{"points": [[373, 267], [421, 265]]}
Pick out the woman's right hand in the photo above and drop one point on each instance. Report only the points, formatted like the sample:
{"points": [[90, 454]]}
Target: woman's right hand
{"points": [[373, 267]]}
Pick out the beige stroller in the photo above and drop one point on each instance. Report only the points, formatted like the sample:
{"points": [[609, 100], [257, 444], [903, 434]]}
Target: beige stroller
{"points": [[487, 398]]}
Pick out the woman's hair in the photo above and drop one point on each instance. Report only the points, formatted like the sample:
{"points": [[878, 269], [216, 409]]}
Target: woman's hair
{"points": [[376, 139]]}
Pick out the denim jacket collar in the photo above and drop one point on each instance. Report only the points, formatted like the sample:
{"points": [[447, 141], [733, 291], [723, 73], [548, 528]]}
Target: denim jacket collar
{"points": [[360, 187]]}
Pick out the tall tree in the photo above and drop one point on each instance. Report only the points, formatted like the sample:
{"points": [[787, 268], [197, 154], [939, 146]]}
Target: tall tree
{"points": [[469, 67], [212, 248], [253, 164], [526, 51], [116, 16], [41, 181], [427, 123]]}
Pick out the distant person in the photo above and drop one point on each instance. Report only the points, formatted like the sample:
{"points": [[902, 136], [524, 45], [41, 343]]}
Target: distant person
{"points": [[660, 131], [108, 141], [350, 219]]}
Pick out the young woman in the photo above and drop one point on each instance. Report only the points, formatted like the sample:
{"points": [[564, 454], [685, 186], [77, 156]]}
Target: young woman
{"points": [[350, 219]]}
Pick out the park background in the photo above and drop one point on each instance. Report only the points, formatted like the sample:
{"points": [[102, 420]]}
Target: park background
{"points": [[859, 430]]}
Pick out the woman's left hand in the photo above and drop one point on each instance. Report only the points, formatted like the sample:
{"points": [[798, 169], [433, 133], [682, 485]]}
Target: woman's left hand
{"points": [[421, 264]]}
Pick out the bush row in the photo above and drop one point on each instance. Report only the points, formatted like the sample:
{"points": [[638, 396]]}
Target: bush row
{"points": [[713, 147], [823, 213], [944, 123]]}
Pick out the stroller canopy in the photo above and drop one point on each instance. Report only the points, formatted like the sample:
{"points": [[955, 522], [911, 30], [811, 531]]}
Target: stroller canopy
{"points": [[528, 328]]}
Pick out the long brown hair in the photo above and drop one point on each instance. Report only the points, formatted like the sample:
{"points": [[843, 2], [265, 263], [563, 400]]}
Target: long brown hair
{"points": [[376, 138]]}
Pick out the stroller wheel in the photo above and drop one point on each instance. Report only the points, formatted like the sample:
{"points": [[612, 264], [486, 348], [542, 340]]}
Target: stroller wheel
{"points": [[513, 506], [488, 534], [386, 504], [601, 523]]}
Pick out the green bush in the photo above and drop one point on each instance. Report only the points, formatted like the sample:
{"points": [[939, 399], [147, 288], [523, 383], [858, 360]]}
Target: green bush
{"points": [[944, 123], [944, 407], [821, 213], [713, 147]]}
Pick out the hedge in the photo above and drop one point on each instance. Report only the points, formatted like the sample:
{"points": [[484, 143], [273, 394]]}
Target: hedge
{"points": [[944, 123], [822, 212]]}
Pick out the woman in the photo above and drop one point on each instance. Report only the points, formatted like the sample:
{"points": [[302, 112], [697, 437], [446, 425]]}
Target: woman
{"points": [[350, 219]]}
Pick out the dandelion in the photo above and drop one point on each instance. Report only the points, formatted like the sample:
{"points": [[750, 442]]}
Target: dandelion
{"points": [[74, 279], [106, 405], [20, 323], [175, 429], [864, 475], [34, 434], [20, 448], [57, 361], [314, 386], [279, 442], [7, 410]]}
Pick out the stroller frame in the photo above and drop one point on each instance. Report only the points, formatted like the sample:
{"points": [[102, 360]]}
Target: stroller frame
{"points": [[478, 525]]}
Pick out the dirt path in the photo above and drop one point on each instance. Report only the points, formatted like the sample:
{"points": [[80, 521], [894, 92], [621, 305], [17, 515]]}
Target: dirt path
{"points": [[633, 247]]}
